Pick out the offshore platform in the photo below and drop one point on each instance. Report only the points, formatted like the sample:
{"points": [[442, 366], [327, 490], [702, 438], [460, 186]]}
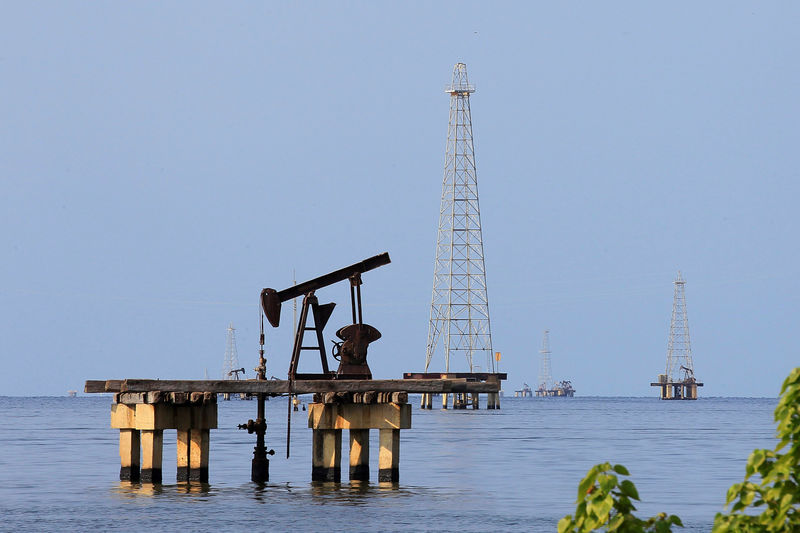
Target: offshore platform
{"points": [[678, 381], [347, 398], [459, 319], [548, 387]]}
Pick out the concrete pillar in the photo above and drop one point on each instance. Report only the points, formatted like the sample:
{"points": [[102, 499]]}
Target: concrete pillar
{"points": [[359, 455], [183, 455], [129, 444], [326, 455], [389, 456], [152, 441], [476, 400], [198, 455], [460, 400], [427, 401], [444, 400]]}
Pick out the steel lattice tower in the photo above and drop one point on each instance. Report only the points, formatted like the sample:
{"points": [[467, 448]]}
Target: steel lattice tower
{"points": [[545, 378], [460, 304], [679, 350], [231, 354]]}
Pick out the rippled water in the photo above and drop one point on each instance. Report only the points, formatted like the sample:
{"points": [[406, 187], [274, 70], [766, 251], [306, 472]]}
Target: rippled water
{"points": [[513, 469]]}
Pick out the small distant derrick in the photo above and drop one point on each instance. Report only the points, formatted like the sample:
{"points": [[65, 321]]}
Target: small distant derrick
{"points": [[230, 367], [678, 382], [547, 387]]}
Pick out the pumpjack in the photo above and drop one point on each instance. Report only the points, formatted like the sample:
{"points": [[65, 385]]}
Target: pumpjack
{"points": [[350, 350]]}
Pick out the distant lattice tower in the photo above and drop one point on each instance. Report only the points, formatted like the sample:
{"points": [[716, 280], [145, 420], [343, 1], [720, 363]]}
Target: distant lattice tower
{"points": [[460, 304], [545, 378], [679, 350], [231, 354]]}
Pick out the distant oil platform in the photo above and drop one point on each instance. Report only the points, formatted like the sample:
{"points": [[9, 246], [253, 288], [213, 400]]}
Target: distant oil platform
{"points": [[678, 381], [547, 386]]}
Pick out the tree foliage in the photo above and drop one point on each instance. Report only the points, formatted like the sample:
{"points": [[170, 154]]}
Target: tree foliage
{"points": [[771, 478], [771, 486], [604, 500]]}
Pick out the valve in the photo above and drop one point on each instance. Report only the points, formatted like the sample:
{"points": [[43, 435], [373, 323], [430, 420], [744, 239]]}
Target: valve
{"points": [[254, 426]]}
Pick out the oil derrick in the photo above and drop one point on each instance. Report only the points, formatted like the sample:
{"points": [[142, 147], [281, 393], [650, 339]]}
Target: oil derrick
{"points": [[678, 381], [547, 386], [679, 350], [545, 378], [459, 319], [230, 367]]}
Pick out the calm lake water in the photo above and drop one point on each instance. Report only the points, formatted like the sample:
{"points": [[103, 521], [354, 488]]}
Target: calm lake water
{"points": [[513, 469]]}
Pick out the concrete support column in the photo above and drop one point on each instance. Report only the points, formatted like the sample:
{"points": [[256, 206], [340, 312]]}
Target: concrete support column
{"points": [[129, 445], [389, 456], [183, 455], [198, 455], [326, 455], [476, 400], [359, 455], [444, 400], [459, 400], [152, 441], [427, 400]]}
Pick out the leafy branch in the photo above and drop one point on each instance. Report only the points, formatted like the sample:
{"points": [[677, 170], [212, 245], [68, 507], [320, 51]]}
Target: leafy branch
{"points": [[604, 500]]}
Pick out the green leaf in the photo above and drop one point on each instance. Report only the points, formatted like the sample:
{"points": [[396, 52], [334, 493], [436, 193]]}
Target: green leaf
{"points": [[565, 524], [615, 522], [604, 507], [629, 489], [586, 483], [607, 482], [620, 469]]}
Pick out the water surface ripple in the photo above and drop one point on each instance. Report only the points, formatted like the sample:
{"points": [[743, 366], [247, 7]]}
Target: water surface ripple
{"points": [[466, 471]]}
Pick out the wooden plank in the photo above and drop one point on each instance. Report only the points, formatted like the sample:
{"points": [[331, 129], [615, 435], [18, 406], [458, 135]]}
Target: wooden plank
{"points": [[113, 385], [275, 386], [672, 383], [95, 386], [469, 376]]}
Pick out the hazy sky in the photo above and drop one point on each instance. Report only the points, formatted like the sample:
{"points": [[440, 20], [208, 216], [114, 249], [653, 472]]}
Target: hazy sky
{"points": [[161, 163]]}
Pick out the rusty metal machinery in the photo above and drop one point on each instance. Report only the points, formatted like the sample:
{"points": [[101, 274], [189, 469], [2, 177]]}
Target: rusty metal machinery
{"points": [[351, 352]]}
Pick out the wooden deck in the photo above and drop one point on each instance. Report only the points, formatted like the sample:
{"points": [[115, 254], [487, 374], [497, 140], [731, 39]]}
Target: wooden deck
{"points": [[277, 386]]}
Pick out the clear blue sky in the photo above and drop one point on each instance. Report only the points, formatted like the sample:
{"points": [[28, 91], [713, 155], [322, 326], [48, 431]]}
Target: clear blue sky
{"points": [[161, 163]]}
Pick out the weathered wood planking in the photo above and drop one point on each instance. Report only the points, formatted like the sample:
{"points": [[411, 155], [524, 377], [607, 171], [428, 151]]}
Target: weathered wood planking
{"points": [[108, 385], [275, 386]]}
